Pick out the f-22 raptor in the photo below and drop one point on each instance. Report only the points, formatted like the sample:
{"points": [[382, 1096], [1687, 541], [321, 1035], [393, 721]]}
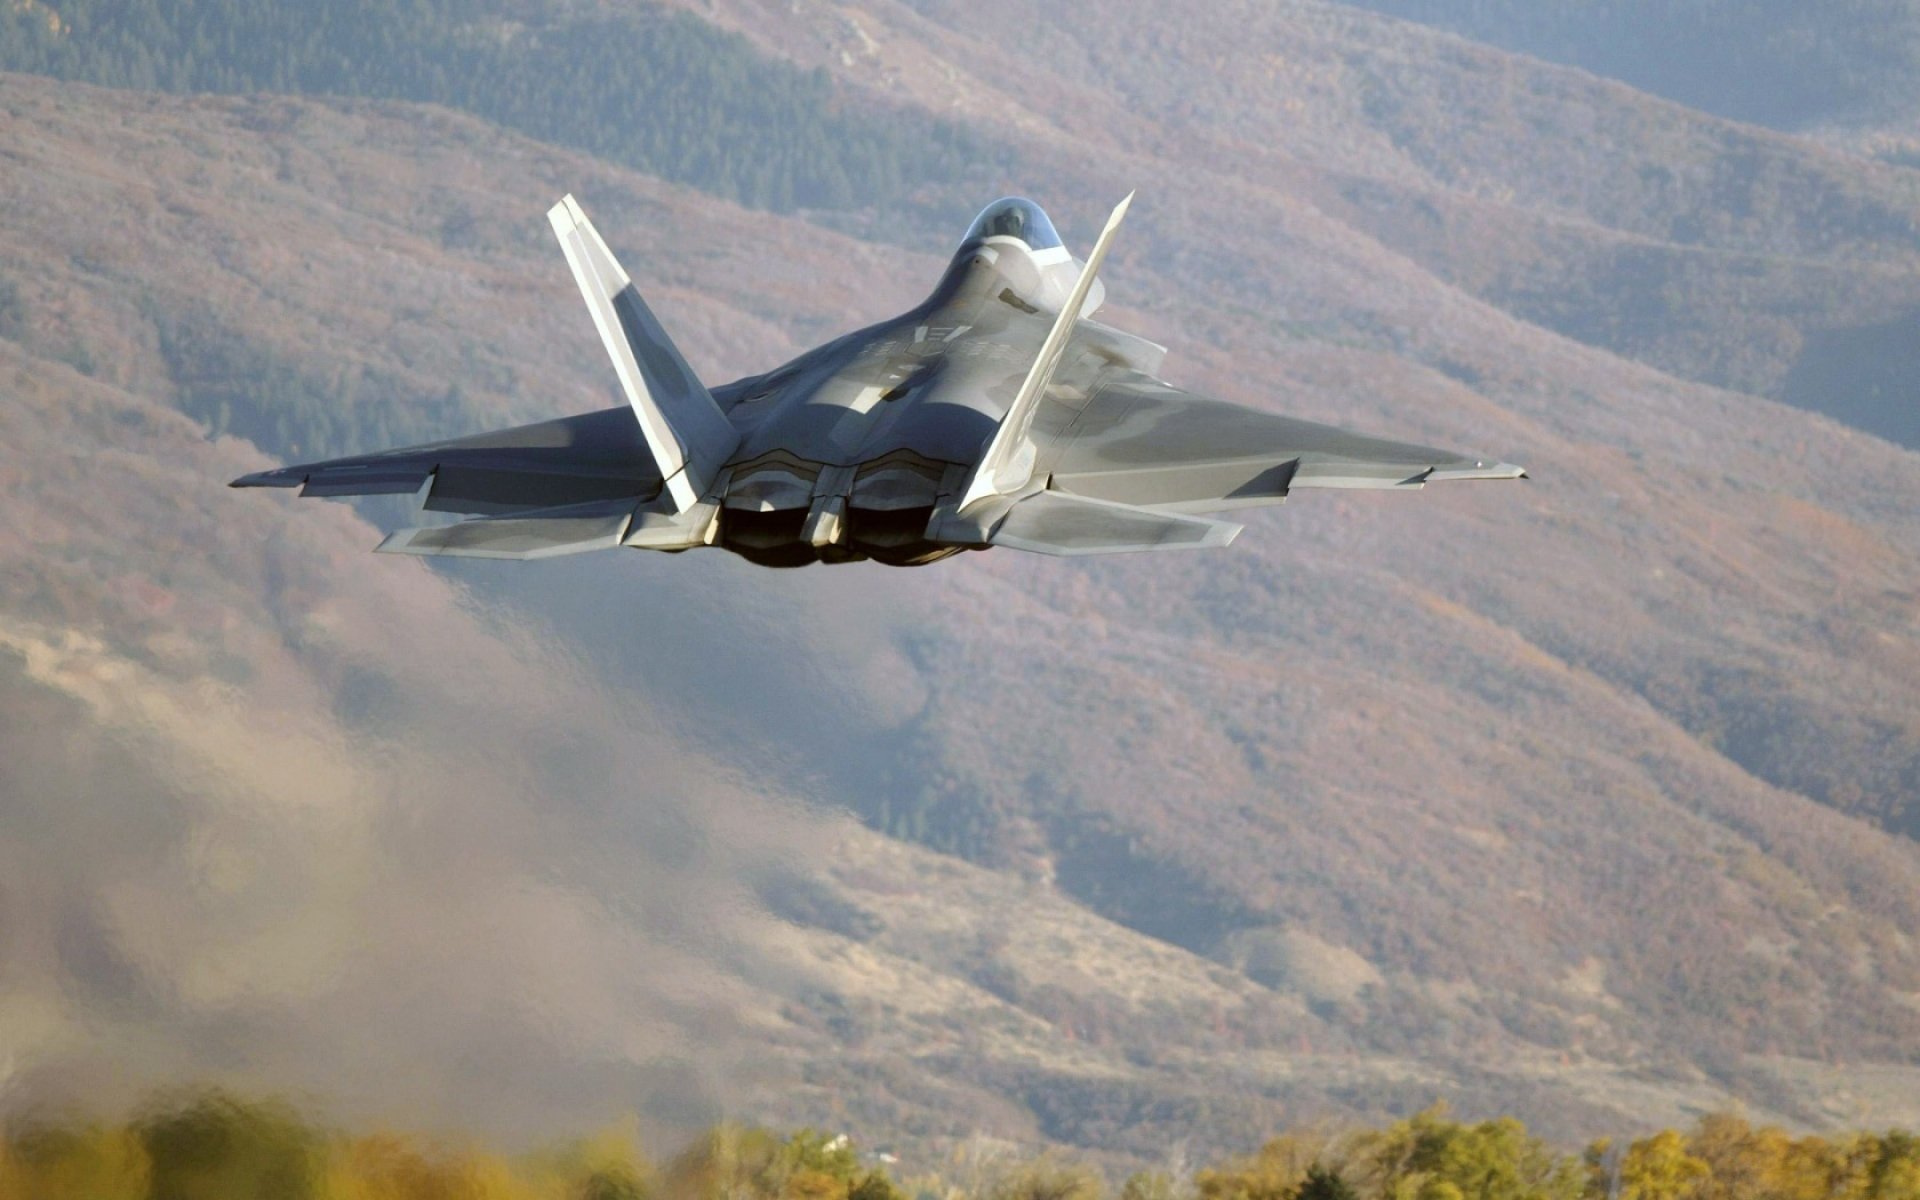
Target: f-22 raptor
{"points": [[994, 413]]}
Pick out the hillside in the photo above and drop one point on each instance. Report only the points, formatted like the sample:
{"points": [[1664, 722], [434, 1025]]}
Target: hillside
{"points": [[1721, 253], [643, 86], [1772, 63], [1708, 249], [248, 836], [1592, 798]]}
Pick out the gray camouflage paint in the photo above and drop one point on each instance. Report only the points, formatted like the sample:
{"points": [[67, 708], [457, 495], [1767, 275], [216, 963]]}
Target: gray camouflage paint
{"points": [[862, 448]]}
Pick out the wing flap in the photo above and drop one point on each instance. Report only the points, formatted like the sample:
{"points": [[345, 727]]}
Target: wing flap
{"points": [[490, 490], [355, 481], [1052, 523]]}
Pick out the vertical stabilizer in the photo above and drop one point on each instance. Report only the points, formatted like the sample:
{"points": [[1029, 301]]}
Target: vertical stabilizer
{"points": [[689, 436], [1007, 463]]}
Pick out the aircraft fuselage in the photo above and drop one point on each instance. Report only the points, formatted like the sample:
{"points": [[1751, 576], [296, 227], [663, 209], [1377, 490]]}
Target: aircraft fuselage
{"points": [[872, 430], [993, 413]]}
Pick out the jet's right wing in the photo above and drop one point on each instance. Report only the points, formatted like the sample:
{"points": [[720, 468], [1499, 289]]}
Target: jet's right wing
{"points": [[1141, 442]]}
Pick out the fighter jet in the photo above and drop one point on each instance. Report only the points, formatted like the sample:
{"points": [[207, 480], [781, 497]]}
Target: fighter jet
{"points": [[996, 412]]}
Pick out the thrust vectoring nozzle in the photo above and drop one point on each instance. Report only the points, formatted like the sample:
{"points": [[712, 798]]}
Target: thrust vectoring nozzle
{"points": [[1006, 464]]}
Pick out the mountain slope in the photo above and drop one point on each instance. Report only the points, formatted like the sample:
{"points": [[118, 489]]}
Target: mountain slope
{"points": [[290, 816], [1777, 64], [1726, 254], [1481, 792], [1276, 232]]}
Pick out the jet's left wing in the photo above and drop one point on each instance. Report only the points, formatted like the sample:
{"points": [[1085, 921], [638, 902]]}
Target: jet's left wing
{"points": [[595, 457], [1141, 442]]}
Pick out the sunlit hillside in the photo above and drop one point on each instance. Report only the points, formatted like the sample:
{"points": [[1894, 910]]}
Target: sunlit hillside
{"points": [[1592, 799], [1773, 62]]}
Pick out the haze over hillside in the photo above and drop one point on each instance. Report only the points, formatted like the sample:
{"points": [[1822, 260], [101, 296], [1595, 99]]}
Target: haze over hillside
{"points": [[1594, 797], [1709, 250], [1772, 62]]}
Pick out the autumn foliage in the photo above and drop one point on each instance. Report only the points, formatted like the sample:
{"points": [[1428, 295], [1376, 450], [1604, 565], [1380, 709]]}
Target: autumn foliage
{"points": [[217, 1147]]}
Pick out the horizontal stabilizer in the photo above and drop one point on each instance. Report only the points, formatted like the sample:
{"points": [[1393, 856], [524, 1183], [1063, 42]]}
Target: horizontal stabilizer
{"points": [[544, 533], [1055, 523]]}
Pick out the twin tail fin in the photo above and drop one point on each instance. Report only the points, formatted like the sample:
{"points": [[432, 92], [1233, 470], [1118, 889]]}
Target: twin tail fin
{"points": [[689, 436]]}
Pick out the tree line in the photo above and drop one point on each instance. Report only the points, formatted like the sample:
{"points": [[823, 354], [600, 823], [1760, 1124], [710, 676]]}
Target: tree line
{"points": [[657, 90], [215, 1146]]}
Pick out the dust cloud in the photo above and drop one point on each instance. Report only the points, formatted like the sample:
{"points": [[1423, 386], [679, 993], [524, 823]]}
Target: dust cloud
{"points": [[435, 873]]}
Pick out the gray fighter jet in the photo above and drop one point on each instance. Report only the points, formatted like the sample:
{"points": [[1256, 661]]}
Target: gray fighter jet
{"points": [[995, 413]]}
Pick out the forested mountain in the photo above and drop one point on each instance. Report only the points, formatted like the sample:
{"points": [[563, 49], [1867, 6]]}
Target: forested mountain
{"points": [[645, 86], [1590, 799], [1722, 253], [1782, 63]]}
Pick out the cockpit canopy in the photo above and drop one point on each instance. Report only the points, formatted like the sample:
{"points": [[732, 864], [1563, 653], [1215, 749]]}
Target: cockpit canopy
{"points": [[1014, 217]]}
